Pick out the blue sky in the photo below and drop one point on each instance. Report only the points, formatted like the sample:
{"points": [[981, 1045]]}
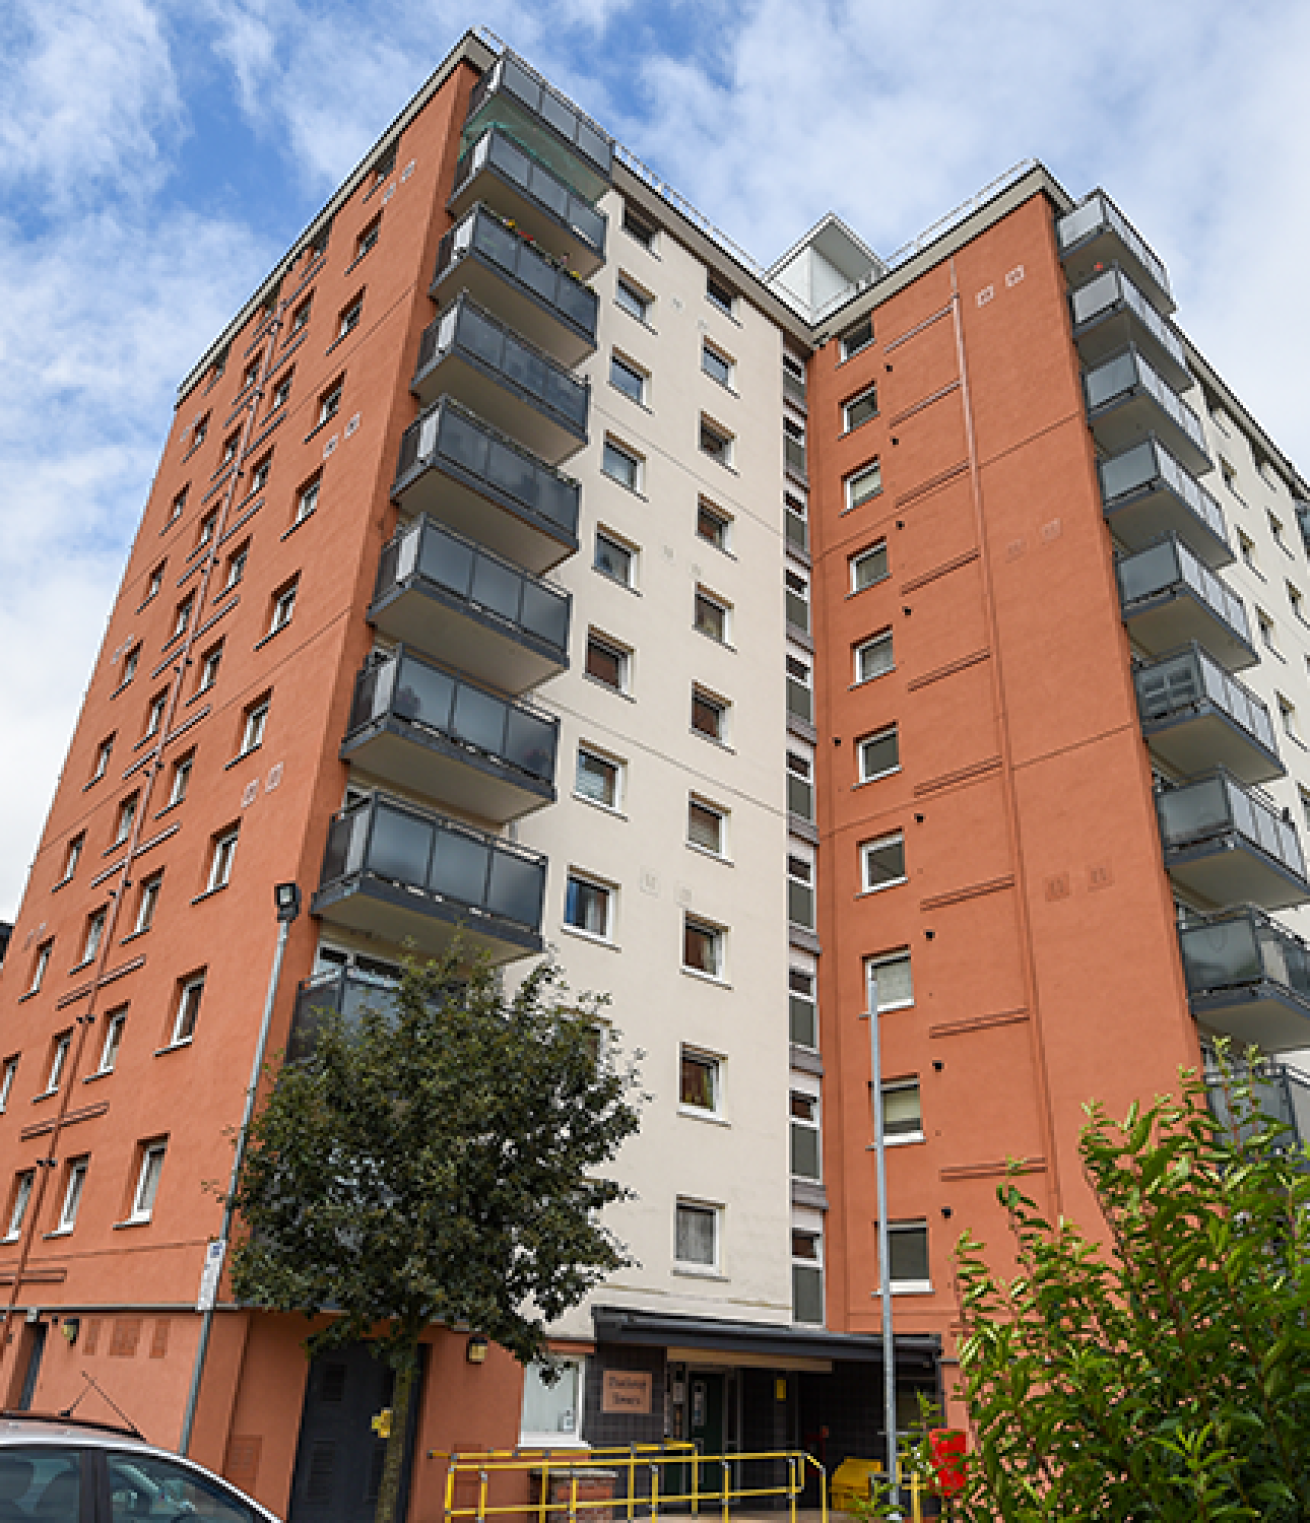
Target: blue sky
{"points": [[156, 157]]}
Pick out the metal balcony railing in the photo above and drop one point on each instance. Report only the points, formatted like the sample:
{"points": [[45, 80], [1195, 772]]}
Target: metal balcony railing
{"points": [[1111, 309], [1146, 492], [1229, 844], [344, 993], [1099, 228], [1168, 594], [1128, 395], [1249, 978], [1198, 715], [1276, 1091]]}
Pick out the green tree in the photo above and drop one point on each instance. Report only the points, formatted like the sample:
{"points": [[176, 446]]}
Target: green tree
{"points": [[437, 1162], [1165, 1374]]}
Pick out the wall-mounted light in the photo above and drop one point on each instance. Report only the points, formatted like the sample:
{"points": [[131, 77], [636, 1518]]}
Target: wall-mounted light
{"points": [[475, 1350], [70, 1327], [286, 896]]}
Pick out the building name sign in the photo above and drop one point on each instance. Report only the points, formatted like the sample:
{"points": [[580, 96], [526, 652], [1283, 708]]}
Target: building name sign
{"points": [[626, 1391]]}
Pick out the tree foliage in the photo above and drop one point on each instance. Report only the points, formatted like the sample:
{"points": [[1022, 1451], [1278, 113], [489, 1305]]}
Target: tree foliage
{"points": [[1168, 1377], [439, 1161]]}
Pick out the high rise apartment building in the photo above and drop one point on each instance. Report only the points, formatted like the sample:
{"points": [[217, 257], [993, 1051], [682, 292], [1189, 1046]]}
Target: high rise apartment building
{"points": [[524, 561]]}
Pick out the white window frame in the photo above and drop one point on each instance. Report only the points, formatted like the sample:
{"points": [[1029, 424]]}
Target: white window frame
{"points": [[633, 299], [901, 1138], [181, 779], [284, 607], [624, 548], [329, 404], [222, 855], [607, 896], [155, 715], [148, 903], [703, 598], [898, 958], [722, 441], [883, 639], [720, 850], [869, 476], [115, 1025], [629, 466], [256, 723], [259, 476], [73, 1191], [623, 658], [147, 1184], [855, 339], [307, 499], [855, 404], [40, 964], [615, 780], [94, 935], [867, 851], [871, 554], [73, 855], [715, 939], [722, 521], [808, 1263], [809, 1125], [209, 667], [236, 566], [638, 379], [133, 659], [700, 1209], [7, 1076], [712, 701], [572, 1374], [888, 732], [102, 759], [712, 1063], [911, 1287], [20, 1200], [723, 300], [190, 994], [58, 1059], [350, 316], [125, 819], [712, 352], [802, 986], [281, 394], [639, 226]]}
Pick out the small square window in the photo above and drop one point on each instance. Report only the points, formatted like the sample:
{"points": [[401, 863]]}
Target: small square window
{"points": [[715, 441], [902, 1114], [1246, 548], [103, 752], [230, 445], [7, 1076], [706, 826], [588, 906], [803, 1013], [696, 1235], [236, 566], [73, 855], [115, 1026], [222, 854], [329, 404], [155, 583], [300, 317], [614, 559], [131, 661], [865, 484], [621, 465], [1287, 715], [124, 820], [806, 1153], [709, 715], [639, 226], [349, 318], [856, 338], [253, 726], [715, 365], [19, 1202], [908, 1253], [869, 566], [58, 1058], [147, 903], [702, 947], [712, 524], [147, 1185], [307, 500], [882, 862], [879, 754], [628, 378], [1266, 627], [874, 658], [209, 665], [698, 1081], [720, 294], [607, 663], [860, 408], [888, 983], [182, 616], [206, 530], [711, 616], [281, 394], [259, 476], [1276, 529], [369, 237], [178, 504], [181, 778], [40, 962], [187, 1011], [76, 1181], [632, 300], [284, 605], [155, 715], [598, 778]]}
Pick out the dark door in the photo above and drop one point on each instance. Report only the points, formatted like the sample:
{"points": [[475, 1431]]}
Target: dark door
{"points": [[705, 1425], [37, 1346], [339, 1457]]}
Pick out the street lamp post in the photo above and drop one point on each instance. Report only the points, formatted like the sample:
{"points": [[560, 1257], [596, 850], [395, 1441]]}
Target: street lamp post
{"points": [[286, 899]]}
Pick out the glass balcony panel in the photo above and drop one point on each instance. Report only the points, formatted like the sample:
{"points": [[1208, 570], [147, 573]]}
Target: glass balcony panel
{"points": [[1150, 584], [515, 890], [1110, 311], [1097, 233], [400, 847], [530, 743], [1197, 716], [459, 867], [424, 694], [1226, 845], [343, 854], [477, 333], [372, 695], [462, 442], [479, 720], [1194, 813], [1248, 978], [496, 586], [546, 613], [1128, 400], [1146, 492], [456, 565]]}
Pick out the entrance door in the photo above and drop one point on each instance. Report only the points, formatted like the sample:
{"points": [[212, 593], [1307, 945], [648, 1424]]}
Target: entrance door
{"points": [[37, 1346], [705, 1424], [339, 1457]]}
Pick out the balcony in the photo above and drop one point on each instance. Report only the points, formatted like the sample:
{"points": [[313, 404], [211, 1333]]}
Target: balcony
{"points": [[431, 731], [442, 594], [1248, 978], [1146, 493], [396, 872], [456, 469], [474, 358], [1095, 234], [1110, 313], [1277, 1091], [515, 97], [1226, 845], [1195, 717], [503, 174], [507, 275], [1170, 598], [346, 994], [1128, 400]]}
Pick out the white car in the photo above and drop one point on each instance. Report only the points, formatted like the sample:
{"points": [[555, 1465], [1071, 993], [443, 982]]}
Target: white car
{"points": [[63, 1471]]}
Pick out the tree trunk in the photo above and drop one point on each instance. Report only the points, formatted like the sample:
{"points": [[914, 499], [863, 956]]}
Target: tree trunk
{"points": [[401, 1396]]}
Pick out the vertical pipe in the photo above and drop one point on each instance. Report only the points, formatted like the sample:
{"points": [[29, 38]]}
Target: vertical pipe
{"points": [[884, 1247]]}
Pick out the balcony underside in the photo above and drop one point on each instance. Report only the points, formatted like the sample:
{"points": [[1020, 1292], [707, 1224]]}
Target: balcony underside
{"points": [[1108, 333], [392, 912], [1202, 738], [1265, 1014], [498, 401], [1102, 247], [1178, 616], [1132, 417], [424, 617], [1228, 871], [432, 765], [539, 321], [1140, 518], [498, 191]]}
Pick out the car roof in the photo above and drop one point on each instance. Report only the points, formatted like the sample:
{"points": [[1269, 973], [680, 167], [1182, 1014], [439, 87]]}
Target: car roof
{"points": [[40, 1429]]}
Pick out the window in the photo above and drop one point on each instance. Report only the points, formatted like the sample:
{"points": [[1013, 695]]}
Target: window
{"points": [[300, 317], [800, 786], [39, 965], [200, 430], [1297, 601], [385, 163], [1266, 627], [793, 380], [1276, 529], [349, 318], [879, 754], [103, 753], [803, 1013], [155, 583], [7, 1076], [715, 365], [130, 663], [628, 378], [807, 1277], [800, 892], [177, 505], [888, 982], [869, 566], [621, 465], [706, 826], [230, 448], [1246, 548], [58, 1057], [1287, 714], [793, 446], [857, 338], [182, 617], [719, 294], [795, 522], [882, 862], [805, 1151], [155, 715], [281, 394], [206, 530], [711, 615], [369, 237], [220, 863], [147, 1184], [115, 1025], [251, 375], [702, 947], [253, 726], [712, 524], [908, 1254], [147, 902], [552, 1412], [189, 995], [284, 605], [864, 484], [588, 906], [259, 476], [73, 855], [18, 1202], [696, 1235], [902, 1116], [800, 696], [716, 442], [607, 663], [709, 715], [614, 559], [307, 500], [95, 932], [209, 665], [181, 778], [860, 408], [598, 778], [236, 566], [329, 403], [796, 601], [72, 1194], [698, 1081], [874, 657], [126, 819], [639, 226], [632, 300]]}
